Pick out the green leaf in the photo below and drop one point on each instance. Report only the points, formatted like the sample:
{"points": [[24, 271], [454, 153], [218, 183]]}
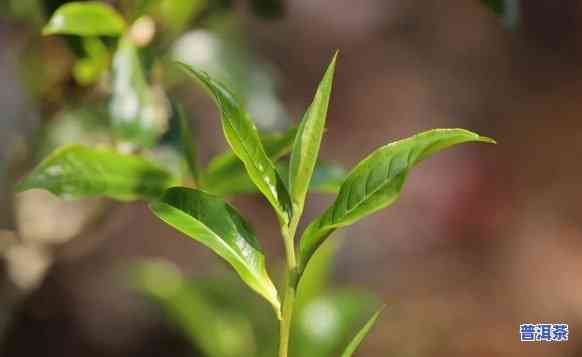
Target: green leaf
{"points": [[327, 178], [496, 5], [226, 174], [243, 137], [376, 182], [316, 278], [187, 144], [76, 171], [308, 141], [88, 70], [325, 324], [176, 14], [138, 112], [357, 340], [214, 223], [215, 328], [509, 10], [89, 18]]}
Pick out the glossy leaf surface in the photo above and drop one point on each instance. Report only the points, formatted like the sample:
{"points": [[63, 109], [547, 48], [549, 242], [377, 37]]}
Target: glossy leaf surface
{"points": [[226, 174], [89, 18], [211, 221], [77, 171], [359, 337], [308, 140], [243, 138], [376, 182]]}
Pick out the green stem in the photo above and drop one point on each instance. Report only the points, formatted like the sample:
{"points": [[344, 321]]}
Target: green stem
{"points": [[290, 290]]}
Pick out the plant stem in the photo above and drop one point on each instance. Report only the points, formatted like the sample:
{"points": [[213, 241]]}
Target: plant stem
{"points": [[290, 289]]}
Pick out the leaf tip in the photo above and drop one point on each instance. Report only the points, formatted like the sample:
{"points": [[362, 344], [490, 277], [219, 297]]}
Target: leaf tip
{"points": [[487, 140]]}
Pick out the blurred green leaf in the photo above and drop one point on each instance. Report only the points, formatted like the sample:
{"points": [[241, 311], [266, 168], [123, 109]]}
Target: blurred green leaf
{"points": [[187, 144], [176, 14], [218, 330], [327, 178], [323, 327], [359, 337], [268, 9], [76, 171], [214, 223], [85, 124], [89, 69], [308, 140], [226, 173], [376, 182], [88, 18], [243, 138], [496, 5], [510, 10], [316, 278], [138, 111]]}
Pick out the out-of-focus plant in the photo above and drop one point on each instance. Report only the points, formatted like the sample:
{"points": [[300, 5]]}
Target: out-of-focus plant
{"points": [[190, 198], [221, 318], [510, 10]]}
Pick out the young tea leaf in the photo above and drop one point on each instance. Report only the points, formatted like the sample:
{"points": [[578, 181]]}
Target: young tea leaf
{"points": [[359, 337], [89, 18], [214, 223], [376, 182], [243, 137], [308, 140], [76, 171], [226, 174]]}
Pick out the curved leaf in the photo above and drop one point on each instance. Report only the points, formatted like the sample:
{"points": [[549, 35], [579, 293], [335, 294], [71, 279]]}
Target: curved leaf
{"points": [[226, 173], [308, 141], [214, 223], [243, 137], [376, 182], [89, 18], [77, 171], [359, 337]]}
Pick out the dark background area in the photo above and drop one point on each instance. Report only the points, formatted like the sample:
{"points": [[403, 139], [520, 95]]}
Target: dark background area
{"points": [[484, 238]]}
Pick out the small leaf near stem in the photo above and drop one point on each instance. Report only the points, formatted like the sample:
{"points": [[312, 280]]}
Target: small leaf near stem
{"points": [[243, 138], [308, 140], [359, 337]]}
